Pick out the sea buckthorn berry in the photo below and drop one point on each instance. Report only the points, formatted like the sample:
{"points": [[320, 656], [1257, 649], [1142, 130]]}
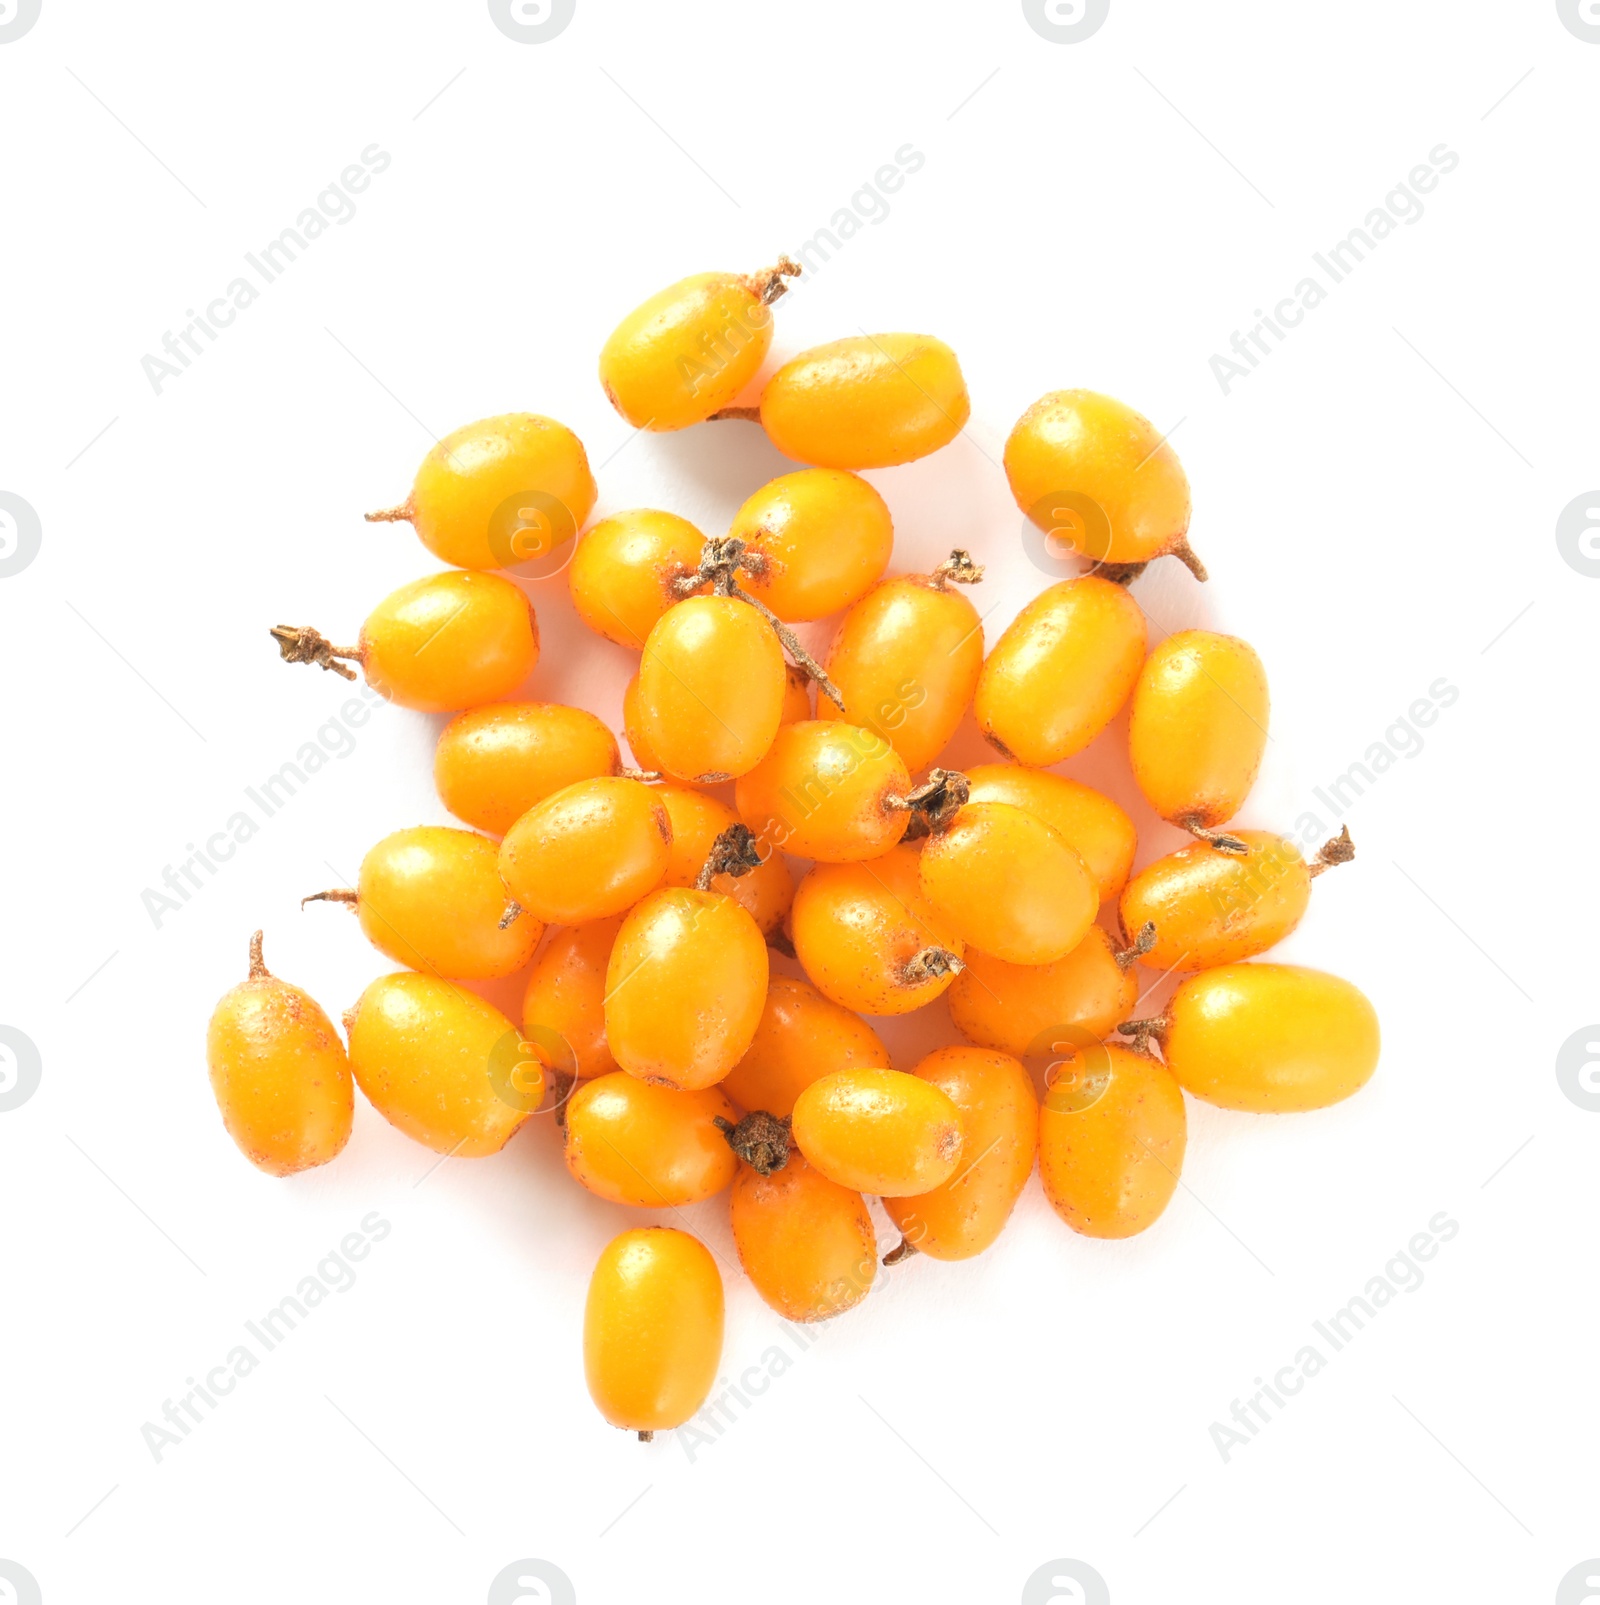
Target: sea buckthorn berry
{"points": [[878, 1131], [431, 899], [499, 492], [1270, 1038], [868, 938], [279, 1072], [652, 1329], [765, 892], [1088, 821], [442, 1065], [999, 1134], [827, 790], [1112, 1132], [1009, 884], [1046, 1009], [1198, 727], [441, 643], [1061, 671], [692, 347], [587, 852], [805, 1242], [868, 401], [1211, 907], [651, 1147], [711, 689], [687, 980], [796, 706], [801, 1038], [821, 539], [906, 660], [625, 571], [564, 1004], [493, 764], [1096, 476]]}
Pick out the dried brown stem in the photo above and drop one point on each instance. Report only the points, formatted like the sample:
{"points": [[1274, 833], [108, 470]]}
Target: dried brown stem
{"points": [[761, 1140], [957, 569], [904, 1252], [1340, 850], [258, 965], [1141, 944], [930, 964], [339, 895], [750, 415], [735, 852], [512, 914], [1186, 555], [647, 776], [403, 514], [767, 285], [1213, 838], [646, 1435], [1123, 574], [299, 643], [934, 803], [1142, 1032]]}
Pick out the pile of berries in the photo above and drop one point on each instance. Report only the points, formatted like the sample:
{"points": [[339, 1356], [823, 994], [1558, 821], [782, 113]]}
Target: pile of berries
{"points": [[643, 906]]}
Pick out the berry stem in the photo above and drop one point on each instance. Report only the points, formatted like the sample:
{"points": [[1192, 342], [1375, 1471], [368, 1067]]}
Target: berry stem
{"points": [[299, 643], [761, 1140], [1142, 1031], [1213, 838], [1123, 574], [750, 415], [904, 1252], [512, 914], [933, 804], [338, 895], [734, 852], [1339, 850], [258, 965], [1186, 555], [957, 569], [1141, 944], [767, 285], [403, 514], [930, 964]]}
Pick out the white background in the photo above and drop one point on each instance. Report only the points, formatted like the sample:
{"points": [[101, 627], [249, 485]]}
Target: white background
{"points": [[1377, 503]]}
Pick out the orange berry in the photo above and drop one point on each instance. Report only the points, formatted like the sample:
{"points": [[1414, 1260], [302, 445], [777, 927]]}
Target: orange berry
{"points": [[442, 1065], [589, 851], [1271, 1038], [796, 706], [878, 1131], [1100, 479], [648, 1146], [1211, 907], [1112, 1132], [431, 898], [685, 987], [868, 401], [697, 820], [499, 492], [711, 689], [443, 642], [280, 1073], [1198, 727], [868, 938], [999, 1134], [1038, 1009], [801, 1038], [625, 571], [493, 764], [691, 348], [563, 1007], [827, 790], [805, 1242], [1102, 834], [1009, 884], [822, 537], [652, 1329], [906, 660], [1061, 671]]}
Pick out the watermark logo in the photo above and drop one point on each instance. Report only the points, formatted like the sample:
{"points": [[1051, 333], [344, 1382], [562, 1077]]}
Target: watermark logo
{"points": [[531, 534], [1066, 1581], [1578, 530], [1581, 18], [532, 22], [1062, 528], [1577, 1068], [534, 1070], [1066, 22], [20, 530], [20, 1069], [525, 1582], [16, 18], [1581, 1584]]}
